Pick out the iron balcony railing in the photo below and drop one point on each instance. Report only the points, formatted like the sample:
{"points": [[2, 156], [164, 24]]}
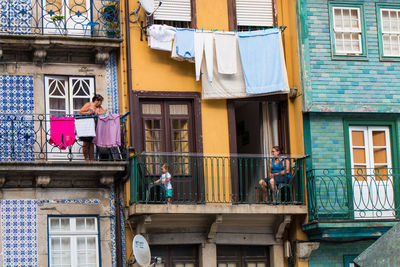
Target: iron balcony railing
{"points": [[86, 18], [26, 138], [338, 194], [198, 178]]}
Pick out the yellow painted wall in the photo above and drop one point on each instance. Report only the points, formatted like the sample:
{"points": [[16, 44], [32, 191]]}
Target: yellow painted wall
{"points": [[154, 70]]}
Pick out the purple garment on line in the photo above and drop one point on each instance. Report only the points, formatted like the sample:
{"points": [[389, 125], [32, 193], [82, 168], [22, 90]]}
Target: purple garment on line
{"points": [[108, 131]]}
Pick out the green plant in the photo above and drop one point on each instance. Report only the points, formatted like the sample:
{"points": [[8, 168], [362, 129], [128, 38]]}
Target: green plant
{"points": [[112, 29], [109, 11], [57, 17]]}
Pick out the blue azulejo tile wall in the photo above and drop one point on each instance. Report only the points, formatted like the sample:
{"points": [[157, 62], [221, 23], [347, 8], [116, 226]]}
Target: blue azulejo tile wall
{"points": [[332, 254], [333, 85]]}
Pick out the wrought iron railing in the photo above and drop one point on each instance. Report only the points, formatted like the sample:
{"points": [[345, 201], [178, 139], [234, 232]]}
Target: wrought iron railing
{"points": [[26, 138], [198, 178], [338, 194], [90, 18]]}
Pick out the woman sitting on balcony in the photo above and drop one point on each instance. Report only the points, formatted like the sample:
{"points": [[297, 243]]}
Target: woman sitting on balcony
{"points": [[279, 172], [91, 108]]}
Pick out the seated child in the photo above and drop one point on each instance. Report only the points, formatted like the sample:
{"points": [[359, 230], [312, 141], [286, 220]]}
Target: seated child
{"points": [[165, 179]]}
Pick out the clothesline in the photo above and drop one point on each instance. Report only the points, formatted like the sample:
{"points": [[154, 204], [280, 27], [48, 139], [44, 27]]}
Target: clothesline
{"points": [[281, 28]]}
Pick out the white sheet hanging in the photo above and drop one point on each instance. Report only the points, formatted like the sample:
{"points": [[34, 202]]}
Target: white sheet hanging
{"points": [[85, 127]]}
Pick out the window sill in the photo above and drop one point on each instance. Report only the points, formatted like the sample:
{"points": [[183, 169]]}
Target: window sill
{"points": [[350, 57], [389, 59]]}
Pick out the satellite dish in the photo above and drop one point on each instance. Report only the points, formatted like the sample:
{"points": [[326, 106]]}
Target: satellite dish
{"points": [[141, 251], [148, 6]]}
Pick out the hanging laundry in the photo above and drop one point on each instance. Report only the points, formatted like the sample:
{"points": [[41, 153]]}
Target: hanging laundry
{"points": [[261, 56], [62, 132], [175, 56], [203, 41], [224, 86], [185, 43], [108, 131], [225, 52], [161, 37], [85, 127]]}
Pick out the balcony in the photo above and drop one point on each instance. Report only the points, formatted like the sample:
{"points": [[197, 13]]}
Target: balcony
{"points": [[57, 30], [97, 18], [354, 203], [28, 159], [26, 138], [203, 179]]}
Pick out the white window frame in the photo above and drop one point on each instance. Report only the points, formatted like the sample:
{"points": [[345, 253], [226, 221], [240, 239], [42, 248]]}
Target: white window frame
{"points": [[347, 31], [73, 234], [392, 35]]}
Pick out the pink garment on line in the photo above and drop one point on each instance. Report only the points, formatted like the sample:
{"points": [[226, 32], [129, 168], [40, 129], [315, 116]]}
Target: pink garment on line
{"points": [[108, 131], [62, 132]]}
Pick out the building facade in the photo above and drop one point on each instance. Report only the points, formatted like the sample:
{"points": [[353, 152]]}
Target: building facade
{"points": [[58, 209], [216, 150], [349, 58]]}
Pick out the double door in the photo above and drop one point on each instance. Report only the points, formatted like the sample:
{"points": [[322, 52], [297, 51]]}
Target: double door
{"points": [[65, 96], [372, 179]]}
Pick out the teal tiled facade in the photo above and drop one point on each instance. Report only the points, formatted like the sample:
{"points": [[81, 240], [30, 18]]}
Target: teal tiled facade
{"points": [[340, 91], [333, 85], [332, 254]]}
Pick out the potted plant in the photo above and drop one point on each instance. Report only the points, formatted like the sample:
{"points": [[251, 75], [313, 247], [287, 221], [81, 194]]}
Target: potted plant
{"points": [[112, 29], [110, 11]]}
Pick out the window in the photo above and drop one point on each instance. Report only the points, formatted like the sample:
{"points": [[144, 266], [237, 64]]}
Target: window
{"points": [[176, 256], [242, 256], [347, 31], [176, 13], [73, 241], [389, 29], [250, 14]]}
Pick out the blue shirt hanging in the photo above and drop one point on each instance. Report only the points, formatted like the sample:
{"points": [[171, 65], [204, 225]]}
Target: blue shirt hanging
{"points": [[185, 43]]}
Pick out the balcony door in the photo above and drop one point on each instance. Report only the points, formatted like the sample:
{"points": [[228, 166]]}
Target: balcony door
{"points": [[66, 17], [65, 96], [372, 178]]}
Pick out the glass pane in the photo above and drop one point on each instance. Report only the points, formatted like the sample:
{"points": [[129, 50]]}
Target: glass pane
{"points": [[251, 264], [175, 124], [147, 124], [261, 264], [346, 18], [81, 243], [90, 224], [65, 243], [231, 264], [160, 265], [91, 243], [53, 5], [55, 243], [79, 102], [151, 109], [179, 265], [92, 257], [354, 19], [65, 224], [339, 42], [57, 103], [222, 265], [55, 258], [357, 137], [359, 155], [178, 110], [379, 138], [338, 18], [77, 5], [54, 224], [157, 124], [381, 173], [360, 173], [81, 258], [66, 258], [80, 224], [189, 265], [380, 155], [56, 87]]}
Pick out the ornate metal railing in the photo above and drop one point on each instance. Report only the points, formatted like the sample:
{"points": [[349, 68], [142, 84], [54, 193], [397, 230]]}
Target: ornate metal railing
{"points": [[26, 138], [199, 178], [90, 18], [338, 194]]}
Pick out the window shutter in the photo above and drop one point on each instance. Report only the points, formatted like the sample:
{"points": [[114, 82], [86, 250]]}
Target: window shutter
{"points": [[174, 10], [254, 13]]}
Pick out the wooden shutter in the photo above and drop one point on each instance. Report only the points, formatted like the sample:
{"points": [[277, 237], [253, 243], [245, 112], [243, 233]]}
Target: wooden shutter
{"points": [[174, 10], [255, 13]]}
